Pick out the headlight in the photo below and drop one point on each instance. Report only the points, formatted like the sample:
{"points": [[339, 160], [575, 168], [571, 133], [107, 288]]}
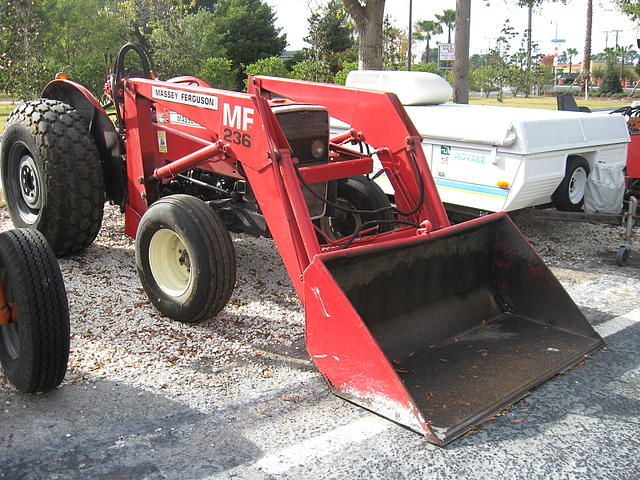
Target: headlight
{"points": [[318, 149]]}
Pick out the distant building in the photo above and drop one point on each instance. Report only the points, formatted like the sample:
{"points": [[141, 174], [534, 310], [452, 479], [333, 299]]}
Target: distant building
{"points": [[289, 55], [564, 68]]}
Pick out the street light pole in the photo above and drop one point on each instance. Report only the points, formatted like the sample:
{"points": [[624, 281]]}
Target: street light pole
{"points": [[410, 22], [616, 32]]}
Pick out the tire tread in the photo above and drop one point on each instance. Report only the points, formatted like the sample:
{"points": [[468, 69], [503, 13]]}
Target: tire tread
{"points": [[72, 215], [42, 308]]}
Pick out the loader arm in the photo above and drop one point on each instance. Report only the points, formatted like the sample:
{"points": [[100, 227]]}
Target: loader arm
{"points": [[385, 124]]}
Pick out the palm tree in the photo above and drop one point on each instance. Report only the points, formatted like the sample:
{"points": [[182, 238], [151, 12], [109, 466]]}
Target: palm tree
{"points": [[448, 19], [624, 52], [425, 29], [570, 53]]}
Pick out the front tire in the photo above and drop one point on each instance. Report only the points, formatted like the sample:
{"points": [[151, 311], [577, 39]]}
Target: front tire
{"points": [[356, 193], [185, 258], [51, 175], [569, 196], [34, 335]]}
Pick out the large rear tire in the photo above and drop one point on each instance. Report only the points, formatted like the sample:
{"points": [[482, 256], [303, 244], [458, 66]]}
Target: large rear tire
{"points": [[34, 341], [51, 175], [185, 258], [356, 193]]}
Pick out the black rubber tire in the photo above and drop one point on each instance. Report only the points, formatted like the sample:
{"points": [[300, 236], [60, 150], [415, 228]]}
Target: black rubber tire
{"points": [[34, 350], [65, 165], [561, 197], [210, 254], [622, 256], [358, 193]]}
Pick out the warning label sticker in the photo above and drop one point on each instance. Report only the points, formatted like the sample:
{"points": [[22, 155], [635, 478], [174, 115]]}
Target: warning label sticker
{"points": [[162, 141], [178, 119], [186, 98]]}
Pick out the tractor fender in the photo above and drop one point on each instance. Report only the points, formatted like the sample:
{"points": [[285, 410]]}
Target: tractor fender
{"points": [[102, 130], [190, 80]]}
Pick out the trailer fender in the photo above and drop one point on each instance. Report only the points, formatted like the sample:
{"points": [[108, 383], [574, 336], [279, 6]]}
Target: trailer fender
{"points": [[102, 131]]}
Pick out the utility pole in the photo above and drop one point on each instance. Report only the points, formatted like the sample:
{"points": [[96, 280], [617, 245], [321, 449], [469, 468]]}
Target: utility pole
{"points": [[529, 26], [616, 32], [606, 38], [556, 41], [461, 58], [586, 62], [410, 32]]}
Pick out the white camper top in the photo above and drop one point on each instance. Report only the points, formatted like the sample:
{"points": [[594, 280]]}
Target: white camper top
{"points": [[518, 130], [412, 88]]}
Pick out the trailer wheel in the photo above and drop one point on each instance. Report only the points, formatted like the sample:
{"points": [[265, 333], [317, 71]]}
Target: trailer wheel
{"points": [[356, 193], [52, 175], [569, 196], [185, 258], [34, 317], [622, 256]]}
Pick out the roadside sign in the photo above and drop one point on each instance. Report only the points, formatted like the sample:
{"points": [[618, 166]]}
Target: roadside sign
{"points": [[446, 52]]}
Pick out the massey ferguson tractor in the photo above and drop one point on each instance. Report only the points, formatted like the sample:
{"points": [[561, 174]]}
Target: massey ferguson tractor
{"points": [[437, 327]]}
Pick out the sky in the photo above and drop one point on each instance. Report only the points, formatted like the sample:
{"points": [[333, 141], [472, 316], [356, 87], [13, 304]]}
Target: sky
{"points": [[487, 21]]}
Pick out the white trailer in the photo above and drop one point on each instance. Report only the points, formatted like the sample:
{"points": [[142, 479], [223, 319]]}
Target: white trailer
{"points": [[492, 159]]}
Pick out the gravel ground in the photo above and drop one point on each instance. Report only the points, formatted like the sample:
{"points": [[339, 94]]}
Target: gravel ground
{"points": [[237, 397]]}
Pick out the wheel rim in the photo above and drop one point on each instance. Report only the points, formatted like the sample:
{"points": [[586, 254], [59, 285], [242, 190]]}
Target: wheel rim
{"points": [[343, 224], [577, 185], [9, 333], [24, 184], [170, 263]]}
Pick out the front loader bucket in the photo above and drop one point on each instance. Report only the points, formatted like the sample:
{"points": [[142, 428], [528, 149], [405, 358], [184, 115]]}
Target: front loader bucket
{"points": [[441, 332]]}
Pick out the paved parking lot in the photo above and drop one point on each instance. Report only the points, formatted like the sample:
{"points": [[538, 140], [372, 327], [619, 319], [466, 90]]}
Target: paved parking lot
{"points": [[237, 397]]}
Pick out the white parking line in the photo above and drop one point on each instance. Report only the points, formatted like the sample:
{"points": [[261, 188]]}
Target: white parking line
{"points": [[619, 323], [330, 442]]}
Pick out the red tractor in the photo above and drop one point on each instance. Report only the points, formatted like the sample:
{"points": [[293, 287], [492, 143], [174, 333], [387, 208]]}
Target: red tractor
{"points": [[437, 327]]}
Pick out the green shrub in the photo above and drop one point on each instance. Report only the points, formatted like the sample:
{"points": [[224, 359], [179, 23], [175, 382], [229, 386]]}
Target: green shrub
{"points": [[272, 66], [313, 70], [611, 81], [341, 76], [218, 73], [427, 67]]}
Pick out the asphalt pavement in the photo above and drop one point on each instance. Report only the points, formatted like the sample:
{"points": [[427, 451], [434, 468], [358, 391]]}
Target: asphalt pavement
{"points": [[584, 424]]}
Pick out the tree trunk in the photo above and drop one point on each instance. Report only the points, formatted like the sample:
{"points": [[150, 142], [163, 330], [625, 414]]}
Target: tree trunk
{"points": [[427, 52], [369, 19], [461, 59], [586, 62]]}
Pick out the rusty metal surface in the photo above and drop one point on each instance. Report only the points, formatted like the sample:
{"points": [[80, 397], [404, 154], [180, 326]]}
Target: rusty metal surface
{"points": [[472, 376]]}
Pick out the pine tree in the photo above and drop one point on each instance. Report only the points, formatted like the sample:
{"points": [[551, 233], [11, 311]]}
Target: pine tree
{"points": [[611, 81]]}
